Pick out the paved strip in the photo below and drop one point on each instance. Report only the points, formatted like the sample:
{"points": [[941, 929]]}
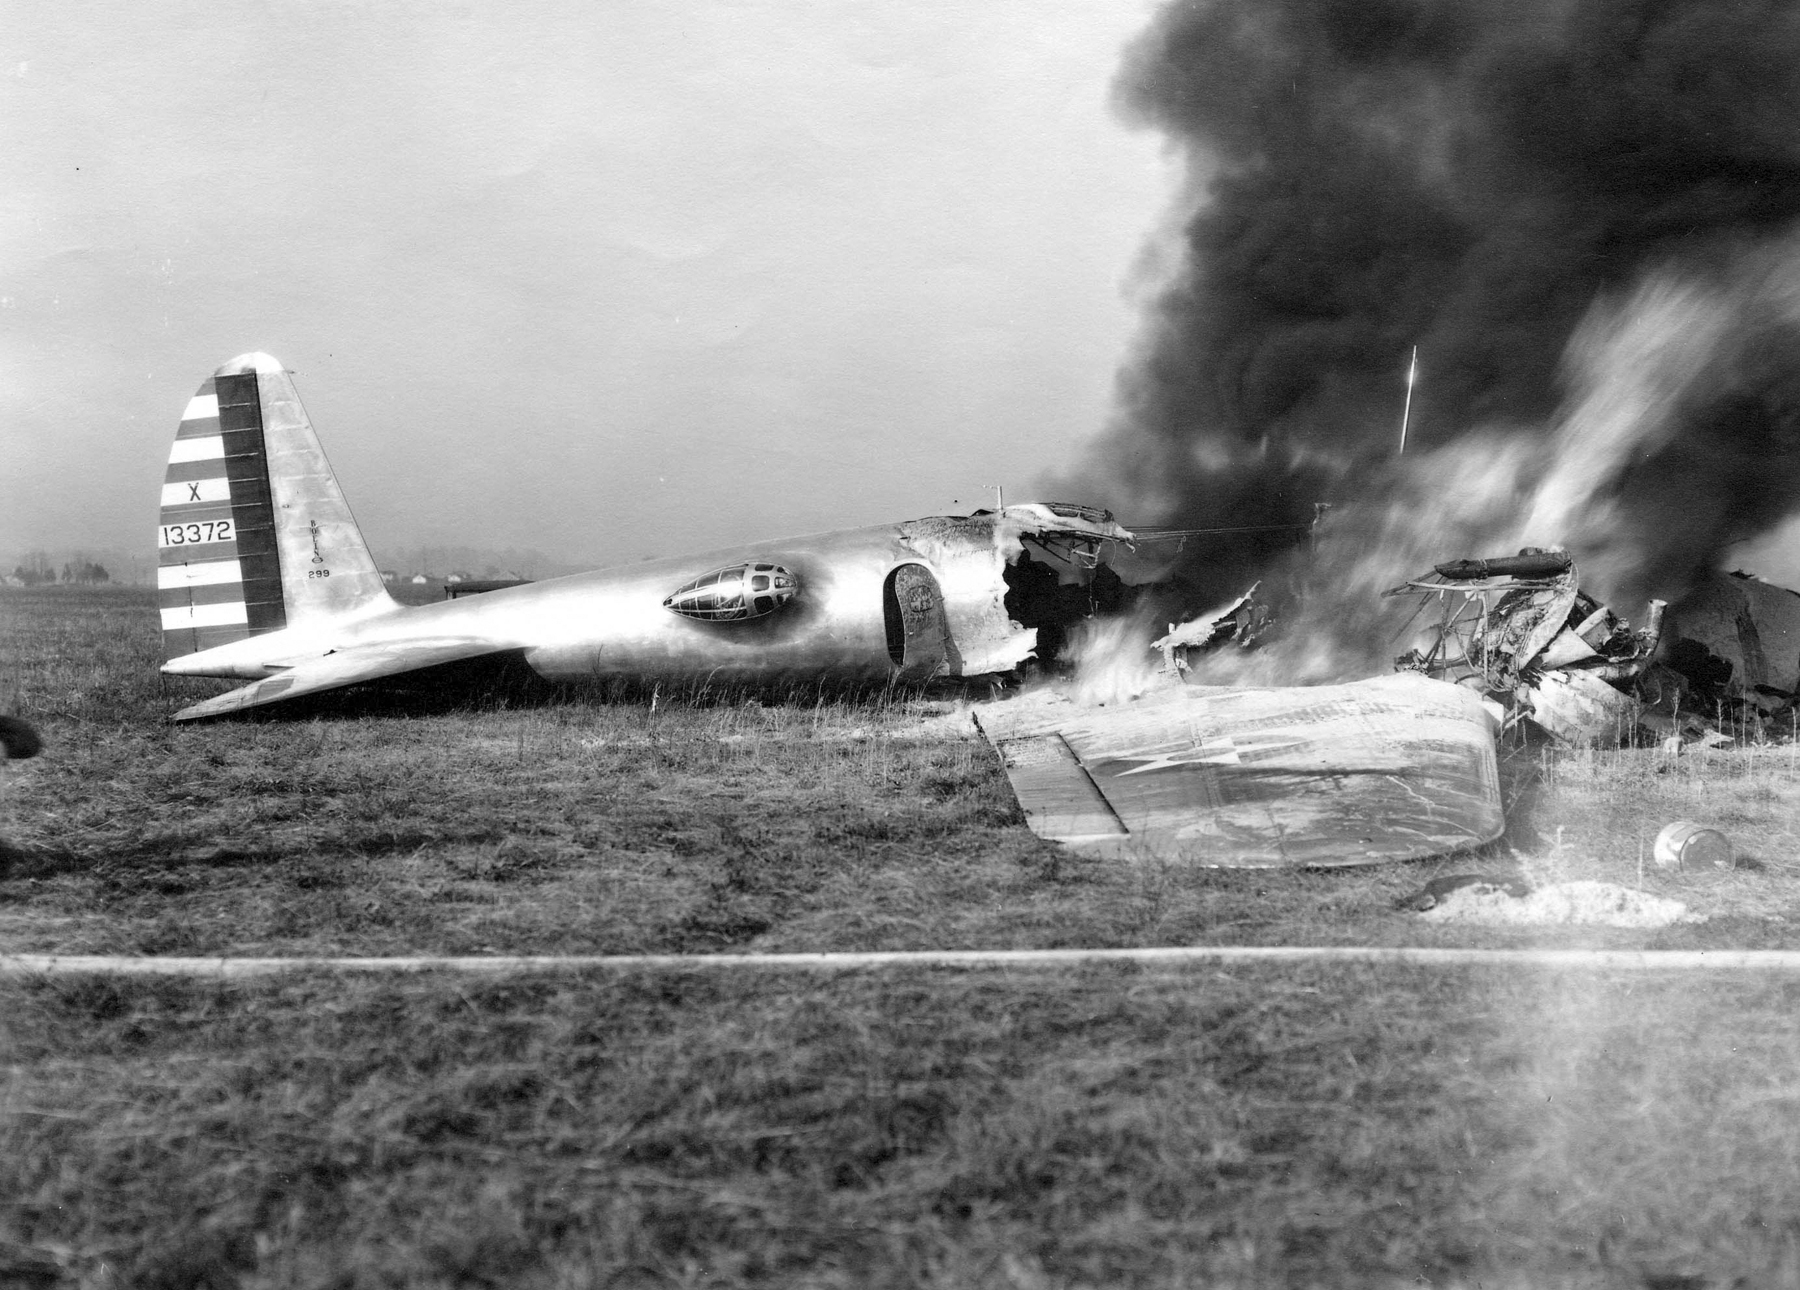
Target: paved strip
{"points": [[1607, 960]]}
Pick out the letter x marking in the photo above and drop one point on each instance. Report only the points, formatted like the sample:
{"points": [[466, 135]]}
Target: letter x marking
{"points": [[193, 492]]}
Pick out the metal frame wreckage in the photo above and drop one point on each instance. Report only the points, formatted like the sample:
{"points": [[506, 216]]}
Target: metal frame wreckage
{"points": [[264, 578], [1543, 652], [1520, 630]]}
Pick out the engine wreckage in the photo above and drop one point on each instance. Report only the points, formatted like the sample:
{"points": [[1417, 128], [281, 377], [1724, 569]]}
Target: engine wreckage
{"points": [[1722, 663], [1520, 630]]}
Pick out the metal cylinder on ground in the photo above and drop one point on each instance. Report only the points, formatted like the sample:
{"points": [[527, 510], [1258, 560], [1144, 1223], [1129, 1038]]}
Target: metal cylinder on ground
{"points": [[1687, 845]]}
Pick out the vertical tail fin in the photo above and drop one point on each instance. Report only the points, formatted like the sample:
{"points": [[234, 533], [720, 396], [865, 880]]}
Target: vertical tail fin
{"points": [[255, 535]]}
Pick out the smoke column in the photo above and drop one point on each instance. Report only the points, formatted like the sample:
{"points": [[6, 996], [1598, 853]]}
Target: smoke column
{"points": [[1552, 199]]}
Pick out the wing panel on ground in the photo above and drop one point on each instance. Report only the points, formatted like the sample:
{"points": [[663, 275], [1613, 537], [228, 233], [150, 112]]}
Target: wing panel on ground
{"points": [[340, 668], [1391, 768]]}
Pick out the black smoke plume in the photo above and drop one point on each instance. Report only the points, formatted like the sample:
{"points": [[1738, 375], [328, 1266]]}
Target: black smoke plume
{"points": [[1476, 179]]}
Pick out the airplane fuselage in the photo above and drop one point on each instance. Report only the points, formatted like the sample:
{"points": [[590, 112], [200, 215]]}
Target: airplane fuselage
{"points": [[889, 602], [263, 575]]}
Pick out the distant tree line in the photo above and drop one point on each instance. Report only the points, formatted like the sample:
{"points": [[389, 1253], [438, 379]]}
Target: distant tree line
{"points": [[36, 571]]}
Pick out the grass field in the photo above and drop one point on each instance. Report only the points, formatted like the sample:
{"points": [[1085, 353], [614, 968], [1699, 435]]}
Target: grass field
{"points": [[1106, 1126]]}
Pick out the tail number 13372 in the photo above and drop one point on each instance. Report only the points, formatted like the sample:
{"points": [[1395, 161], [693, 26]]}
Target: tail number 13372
{"points": [[195, 533]]}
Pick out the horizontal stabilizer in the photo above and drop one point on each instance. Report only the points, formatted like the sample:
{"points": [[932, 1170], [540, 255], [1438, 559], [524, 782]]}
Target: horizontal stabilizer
{"points": [[343, 667]]}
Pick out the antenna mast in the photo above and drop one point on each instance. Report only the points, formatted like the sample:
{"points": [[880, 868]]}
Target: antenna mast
{"points": [[1406, 416]]}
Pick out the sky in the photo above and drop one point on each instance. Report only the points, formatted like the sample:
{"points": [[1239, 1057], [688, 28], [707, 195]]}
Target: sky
{"points": [[600, 279]]}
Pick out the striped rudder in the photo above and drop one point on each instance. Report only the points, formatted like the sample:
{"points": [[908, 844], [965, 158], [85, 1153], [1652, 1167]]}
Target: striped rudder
{"points": [[255, 535], [218, 572]]}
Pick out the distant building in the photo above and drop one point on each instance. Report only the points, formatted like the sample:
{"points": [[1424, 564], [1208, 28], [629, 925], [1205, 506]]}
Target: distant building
{"points": [[418, 580], [389, 575], [457, 577]]}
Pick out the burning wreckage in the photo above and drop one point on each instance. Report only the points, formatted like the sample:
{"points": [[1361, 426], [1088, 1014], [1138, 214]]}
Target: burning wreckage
{"points": [[1398, 766], [1520, 630], [265, 579], [1723, 662]]}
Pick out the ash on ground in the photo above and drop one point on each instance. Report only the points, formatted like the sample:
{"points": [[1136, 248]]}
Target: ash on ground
{"points": [[1584, 903]]}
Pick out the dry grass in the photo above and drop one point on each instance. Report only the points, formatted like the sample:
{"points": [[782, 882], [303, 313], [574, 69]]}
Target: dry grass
{"points": [[1097, 1128], [1300, 1126], [1596, 814]]}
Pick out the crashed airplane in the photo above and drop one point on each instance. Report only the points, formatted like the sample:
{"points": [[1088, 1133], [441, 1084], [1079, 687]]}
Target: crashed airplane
{"points": [[265, 578]]}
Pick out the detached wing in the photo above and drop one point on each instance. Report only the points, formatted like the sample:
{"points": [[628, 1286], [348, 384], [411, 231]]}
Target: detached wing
{"points": [[343, 667], [1397, 767]]}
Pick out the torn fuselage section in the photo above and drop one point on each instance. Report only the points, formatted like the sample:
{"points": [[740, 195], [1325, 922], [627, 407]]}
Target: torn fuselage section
{"points": [[1005, 587]]}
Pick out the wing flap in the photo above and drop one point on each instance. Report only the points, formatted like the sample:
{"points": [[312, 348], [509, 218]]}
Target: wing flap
{"points": [[1060, 799], [1395, 767], [342, 667]]}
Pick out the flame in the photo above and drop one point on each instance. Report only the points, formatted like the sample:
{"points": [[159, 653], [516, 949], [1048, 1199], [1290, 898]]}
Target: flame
{"points": [[1113, 660]]}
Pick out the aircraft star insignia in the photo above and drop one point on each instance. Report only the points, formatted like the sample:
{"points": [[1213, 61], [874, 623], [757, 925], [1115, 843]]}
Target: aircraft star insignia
{"points": [[1214, 752]]}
